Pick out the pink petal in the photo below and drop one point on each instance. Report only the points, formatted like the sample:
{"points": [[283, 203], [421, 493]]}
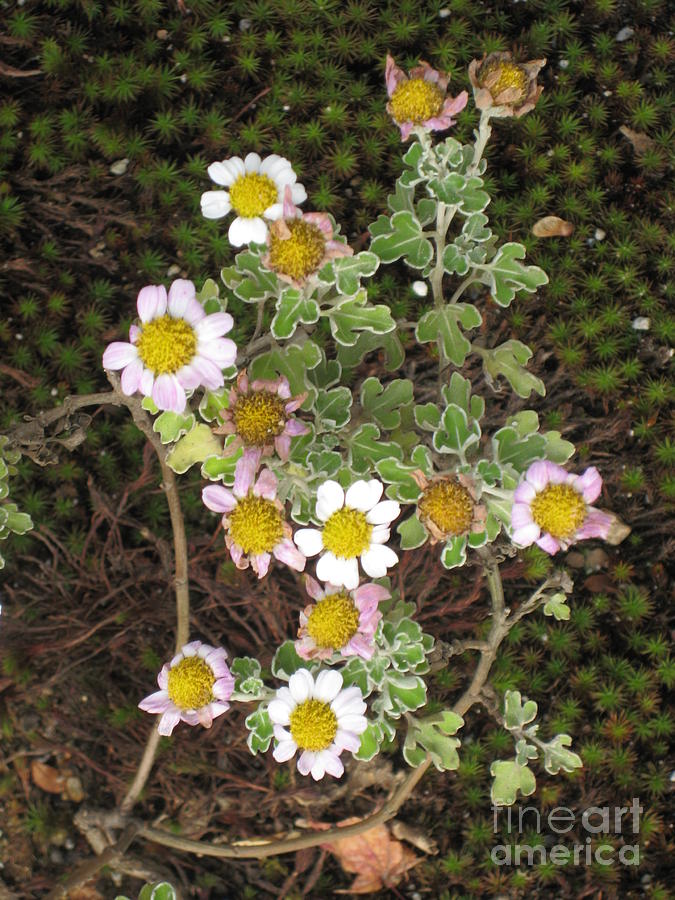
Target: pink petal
{"points": [[406, 128], [548, 543], [218, 498], [596, 525], [313, 588], [524, 493], [118, 355], [221, 351], [134, 333], [131, 377], [237, 555], [295, 427], [210, 374], [526, 535], [147, 383], [168, 722], [590, 484], [393, 76], [347, 740], [287, 552], [266, 485], [521, 515], [151, 302], [370, 593], [260, 564], [189, 377], [168, 394], [244, 473], [358, 646], [306, 761], [214, 326], [156, 703], [332, 764], [282, 444], [538, 475], [181, 293]]}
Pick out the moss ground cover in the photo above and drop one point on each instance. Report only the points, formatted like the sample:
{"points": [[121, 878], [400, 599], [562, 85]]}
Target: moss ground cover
{"points": [[102, 161]]}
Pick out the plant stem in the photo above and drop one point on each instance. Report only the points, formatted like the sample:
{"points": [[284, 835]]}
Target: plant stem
{"points": [[482, 137]]}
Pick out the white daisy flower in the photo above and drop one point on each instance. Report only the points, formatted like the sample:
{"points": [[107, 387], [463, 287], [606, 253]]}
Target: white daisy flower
{"points": [[255, 191], [320, 718], [355, 525]]}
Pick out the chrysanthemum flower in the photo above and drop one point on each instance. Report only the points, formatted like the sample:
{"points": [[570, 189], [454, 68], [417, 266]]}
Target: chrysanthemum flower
{"points": [[260, 415], [177, 347], [194, 688], [318, 718], [255, 528], [448, 507], [504, 86], [419, 98], [551, 508], [354, 526], [300, 244], [340, 621], [255, 191]]}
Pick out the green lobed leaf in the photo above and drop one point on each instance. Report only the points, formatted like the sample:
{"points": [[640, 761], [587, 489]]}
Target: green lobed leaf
{"points": [[516, 713], [401, 693], [412, 533], [246, 671], [293, 307], [197, 446], [384, 403], [286, 662], [249, 279], [350, 269], [557, 607], [557, 756], [433, 736], [293, 361], [508, 359], [505, 275], [405, 240], [454, 552], [509, 778], [456, 433], [461, 190], [366, 342], [399, 474], [367, 449], [445, 324], [261, 730], [170, 425], [333, 407], [355, 315]]}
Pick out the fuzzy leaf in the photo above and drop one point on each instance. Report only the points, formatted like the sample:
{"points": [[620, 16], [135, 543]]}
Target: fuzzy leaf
{"points": [[508, 359], [401, 693], [367, 448], [444, 324], [511, 449], [462, 191], [246, 671], [286, 661], [333, 406], [249, 280], [454, 552], [557, 607], [455, 433], [366, 342], [293, 361], [350, 269], [293, 307], [433, 735], [509, 778], [505, 275], [192, 448], [405, 239], [412, 533], [170, 425], [355, 315], [260, 729], [516, 713], [557, 756], [525, 752], [399, 474], [384, 403]]}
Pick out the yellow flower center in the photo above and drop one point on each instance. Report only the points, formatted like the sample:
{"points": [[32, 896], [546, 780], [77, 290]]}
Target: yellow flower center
{"points": [[449, 506], [258, 417], [301, 253], [559, 509], [166, 344], [416, 100], [498, 77], [256, 525], [191, 683], [251, 194], [333, 621], [347, 533], [313, 725]]}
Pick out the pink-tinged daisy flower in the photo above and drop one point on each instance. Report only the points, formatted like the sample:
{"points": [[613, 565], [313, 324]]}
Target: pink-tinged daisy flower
{"points": [[255, 191], [255, 528], [319, 718], [419, 98], [339, 621], [176, 347], [504, 86], [194, 688], [260, 415], [551, 508], [355, 525], [300, 244]]}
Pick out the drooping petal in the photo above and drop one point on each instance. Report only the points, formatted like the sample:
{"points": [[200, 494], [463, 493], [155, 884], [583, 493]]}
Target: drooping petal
{"points": [[589, 484], [596, 525], [244, 473], [218, 498], [266, 485], [287, 553], [260, 562], [168, 722], [312, 586]]}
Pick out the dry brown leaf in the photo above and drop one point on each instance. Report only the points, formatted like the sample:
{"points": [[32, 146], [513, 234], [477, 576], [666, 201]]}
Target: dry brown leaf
{"points": [[374, 856], [47, 777], [641, 142], [552, 226], [618, 530], [85, 893], [415, 837]]}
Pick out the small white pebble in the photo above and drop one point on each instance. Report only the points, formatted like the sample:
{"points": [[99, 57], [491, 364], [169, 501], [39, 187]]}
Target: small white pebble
{"points": [[443, 13], [606, 93], [183, 79], [564, 63], [119, 167], [642, 323], [244, 24], [672, 776], [53, 393], [421, 288], [172, 270], [285, 107], [599, 234], [19, 337], [625, 33]]}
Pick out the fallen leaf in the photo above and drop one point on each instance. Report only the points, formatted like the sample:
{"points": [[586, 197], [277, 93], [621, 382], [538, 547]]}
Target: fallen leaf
{"points": [[413, 836], [618, 530], [641, 142], [85, 893], [377, 860], [47, 777], [552, 226]]}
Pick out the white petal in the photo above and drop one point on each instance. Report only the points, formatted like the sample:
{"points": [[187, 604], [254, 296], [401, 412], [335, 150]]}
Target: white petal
{"points": [[212, 327], [377, 559], [380, 534], [274, 212], [273, 164], [305, 762], [318, 770], [328, 685], [298, 194], [329, 498], [356, 724], [284, 750], [328, 569], [309, 541], [181, 295], [222, 174], [279, 712], [215, 204], [363, 495], [247, 231], [383, 512], [119, 354], [332, 763], [151, 302], [350, 573], [252, 162], [301, 685], [349, 702]]}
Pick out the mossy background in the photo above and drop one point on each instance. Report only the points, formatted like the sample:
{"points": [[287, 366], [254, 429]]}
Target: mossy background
{"points": [[169, 89]]}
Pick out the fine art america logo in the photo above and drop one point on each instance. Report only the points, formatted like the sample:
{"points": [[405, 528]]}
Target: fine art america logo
{"points": [[595, 822]]}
